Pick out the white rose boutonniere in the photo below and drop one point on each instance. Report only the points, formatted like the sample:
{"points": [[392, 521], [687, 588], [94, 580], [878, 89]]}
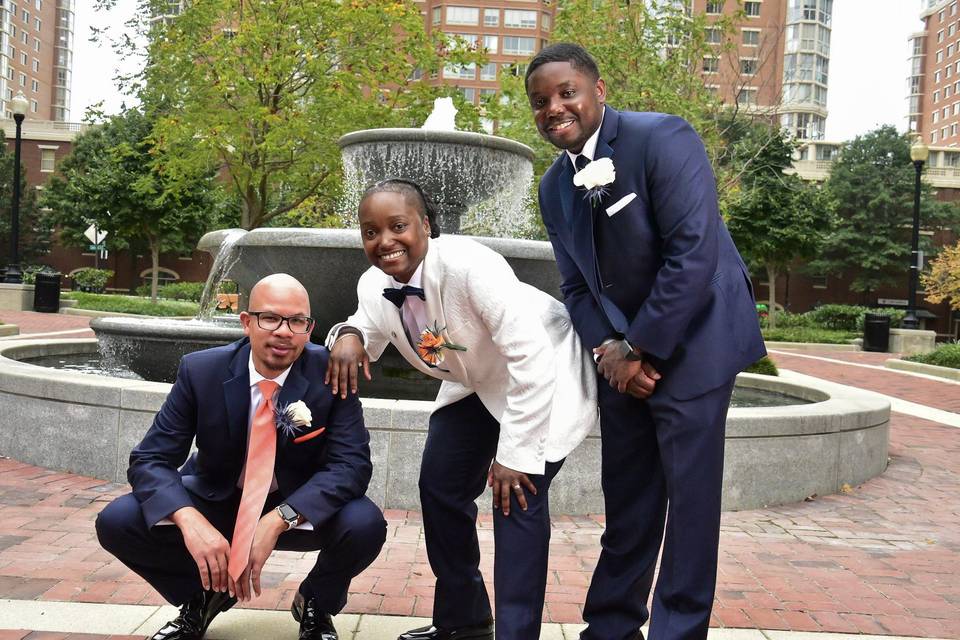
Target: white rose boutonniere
{"points": [[291, 418], [595, 177]]}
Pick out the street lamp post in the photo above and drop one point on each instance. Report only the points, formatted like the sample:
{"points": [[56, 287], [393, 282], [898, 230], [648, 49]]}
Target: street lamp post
{"points": [[918, 153], [19, 106]]}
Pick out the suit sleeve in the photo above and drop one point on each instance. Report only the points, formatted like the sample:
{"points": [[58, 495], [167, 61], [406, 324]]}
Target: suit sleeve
{"points": [[346, 472], [588, 318], [496, 296], [683, 198], [154, 463]]}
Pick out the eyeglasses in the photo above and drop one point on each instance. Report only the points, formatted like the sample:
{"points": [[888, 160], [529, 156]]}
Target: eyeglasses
{"points": [[269, 321]]}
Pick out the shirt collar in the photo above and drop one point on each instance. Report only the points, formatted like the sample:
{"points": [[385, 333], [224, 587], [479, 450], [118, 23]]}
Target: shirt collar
{"points": [[255, 376], [590, 146], [415, 279]]}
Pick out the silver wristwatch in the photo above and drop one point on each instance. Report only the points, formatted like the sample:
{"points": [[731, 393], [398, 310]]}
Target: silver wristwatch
{"points": [[289, 515]]}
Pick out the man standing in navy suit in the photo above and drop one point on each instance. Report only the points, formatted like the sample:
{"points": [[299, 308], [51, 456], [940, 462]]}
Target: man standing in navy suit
{"points": [[655, 285], [276, 452]]}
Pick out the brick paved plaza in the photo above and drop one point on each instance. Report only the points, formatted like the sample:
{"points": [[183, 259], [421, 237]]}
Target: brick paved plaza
{"points": [[881, 559]]}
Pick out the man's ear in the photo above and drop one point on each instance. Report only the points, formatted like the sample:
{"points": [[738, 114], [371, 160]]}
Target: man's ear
{"points": [[601, 88], [245, 319]]}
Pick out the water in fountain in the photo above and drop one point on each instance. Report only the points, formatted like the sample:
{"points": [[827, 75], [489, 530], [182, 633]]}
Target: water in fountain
{"points": [[224, 260]]}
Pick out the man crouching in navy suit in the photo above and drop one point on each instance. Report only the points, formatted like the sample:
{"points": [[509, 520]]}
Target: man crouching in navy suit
{"points": [[655, 286], [281, 463]]}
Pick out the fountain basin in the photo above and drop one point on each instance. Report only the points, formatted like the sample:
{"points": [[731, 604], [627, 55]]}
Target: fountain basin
{"points": [[774, 455]]}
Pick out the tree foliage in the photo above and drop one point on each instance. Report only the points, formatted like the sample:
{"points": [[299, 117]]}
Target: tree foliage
{"points": [[872, 185], [942, 281], [34, 232], [111, 180], [264, 88], [774, 218]]}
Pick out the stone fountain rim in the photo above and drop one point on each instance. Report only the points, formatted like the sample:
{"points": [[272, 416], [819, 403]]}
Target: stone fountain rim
{"points": [[350, 239], [469, 138], [166, 328]]}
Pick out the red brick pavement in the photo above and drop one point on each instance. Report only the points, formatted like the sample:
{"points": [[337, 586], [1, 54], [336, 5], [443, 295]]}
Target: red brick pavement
{"points": [[33, 322], [882, 559], [940, 395]]}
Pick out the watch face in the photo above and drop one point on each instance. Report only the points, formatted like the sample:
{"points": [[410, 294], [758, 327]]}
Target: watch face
{"points": [[287, 512]]}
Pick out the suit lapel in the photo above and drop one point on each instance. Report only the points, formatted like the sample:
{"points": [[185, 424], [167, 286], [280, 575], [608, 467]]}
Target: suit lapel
{"points": [[236, 394], [294, 387], [432, 278]]}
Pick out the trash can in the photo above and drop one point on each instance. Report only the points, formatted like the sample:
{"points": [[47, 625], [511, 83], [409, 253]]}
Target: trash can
{"points": [[876, 332], [46, 292]]}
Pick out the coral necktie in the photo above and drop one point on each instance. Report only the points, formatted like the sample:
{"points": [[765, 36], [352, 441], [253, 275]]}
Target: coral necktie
{"points": [[256, 479]]}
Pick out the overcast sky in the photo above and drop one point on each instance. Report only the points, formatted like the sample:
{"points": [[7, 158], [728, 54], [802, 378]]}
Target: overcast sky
{"points": [[868, 63]]}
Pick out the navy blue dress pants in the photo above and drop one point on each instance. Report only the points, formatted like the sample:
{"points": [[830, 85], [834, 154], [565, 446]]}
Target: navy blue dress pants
{"points": [[662, 459], [461, 445], [348, 542]]}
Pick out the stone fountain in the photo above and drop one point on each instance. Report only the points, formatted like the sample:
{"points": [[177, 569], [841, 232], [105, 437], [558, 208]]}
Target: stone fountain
{"points": [[481, 183]]}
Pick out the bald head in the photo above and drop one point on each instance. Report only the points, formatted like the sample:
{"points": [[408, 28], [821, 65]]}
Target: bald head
{"points": [[274, 302], [279, 286]]}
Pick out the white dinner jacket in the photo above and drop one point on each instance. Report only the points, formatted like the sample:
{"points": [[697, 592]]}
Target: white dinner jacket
{"points": [[523, 359]]}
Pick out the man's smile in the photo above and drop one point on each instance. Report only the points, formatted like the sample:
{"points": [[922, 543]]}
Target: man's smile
{"points": [[560, 126]]}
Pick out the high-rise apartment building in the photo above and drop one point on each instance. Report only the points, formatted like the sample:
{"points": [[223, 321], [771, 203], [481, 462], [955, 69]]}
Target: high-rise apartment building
{"points": [[36, 56], [777, 64], [511, 32], [933, 86]]}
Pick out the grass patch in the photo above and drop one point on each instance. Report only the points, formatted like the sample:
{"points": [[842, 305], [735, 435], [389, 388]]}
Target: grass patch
{"points": [[808, 334], [947, 355], [131, 304], [763, 366]]}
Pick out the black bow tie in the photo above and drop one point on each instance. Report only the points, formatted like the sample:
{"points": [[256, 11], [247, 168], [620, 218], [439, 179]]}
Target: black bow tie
{"points": [[397, 296], [581, 161]]}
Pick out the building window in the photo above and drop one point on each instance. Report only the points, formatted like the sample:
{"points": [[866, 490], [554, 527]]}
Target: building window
{"points": [[488, 71], [23, 58], [34, 86], [940, 35], [747, 96], [933, 137], [47, 160], [748, 66], [939, 56], [711, 65], [23, 80], [460, 71], [517, 45], [26, 17], [818, 281], [545, 21], [936, 96], [469, 38], [469, 94], [39, 5], [751, 37], [13, 31], [436, 19], [715, 7], [36, 44], [34, 106], [36, 65], [516, 19], [936, 116], [949, 50], [751, 9], [491, 43], [952, 30], [463, 15], [714, 35], [491, 17]]}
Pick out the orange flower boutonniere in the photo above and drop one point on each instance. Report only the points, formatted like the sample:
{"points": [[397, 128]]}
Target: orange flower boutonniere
{"points": [[432, 343]]}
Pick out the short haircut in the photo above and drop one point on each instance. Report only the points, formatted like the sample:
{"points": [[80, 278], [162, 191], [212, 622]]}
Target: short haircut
{"points": [[413, 194], [577, 56]]}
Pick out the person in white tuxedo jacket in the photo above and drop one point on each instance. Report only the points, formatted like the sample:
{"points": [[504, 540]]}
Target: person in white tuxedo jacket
{"points": [[518, 395]]}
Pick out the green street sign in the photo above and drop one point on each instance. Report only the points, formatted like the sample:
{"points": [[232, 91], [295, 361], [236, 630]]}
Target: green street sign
{"points": [[96, 247]]}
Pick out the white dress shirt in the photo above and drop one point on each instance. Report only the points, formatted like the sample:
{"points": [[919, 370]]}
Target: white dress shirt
{"points": [[590, 146], [256, 397], [413, 311]]}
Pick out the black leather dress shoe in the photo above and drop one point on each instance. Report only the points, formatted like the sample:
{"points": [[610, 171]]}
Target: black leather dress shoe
{"points": [[195, 616], [314, 624], [430, 632]]}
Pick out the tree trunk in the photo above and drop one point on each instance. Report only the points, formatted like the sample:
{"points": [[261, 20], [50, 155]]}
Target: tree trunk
{"points": [[772, 302], [155, 263]]}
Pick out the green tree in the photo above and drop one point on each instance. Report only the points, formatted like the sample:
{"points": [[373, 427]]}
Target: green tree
{"points": [[264, 89], [872, 184], [111, 180], [34, 232], [774, 218]]}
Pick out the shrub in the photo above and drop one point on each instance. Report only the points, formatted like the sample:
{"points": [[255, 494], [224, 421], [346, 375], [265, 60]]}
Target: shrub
{"points": [[131, 304], [92, 280], [764, 366], [184, 290], [947, 355], [847, 317], [30, 272]]}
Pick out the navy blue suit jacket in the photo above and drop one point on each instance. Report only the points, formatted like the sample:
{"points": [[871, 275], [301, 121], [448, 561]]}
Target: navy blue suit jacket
{"points": [[210, 401], [663, 271]]}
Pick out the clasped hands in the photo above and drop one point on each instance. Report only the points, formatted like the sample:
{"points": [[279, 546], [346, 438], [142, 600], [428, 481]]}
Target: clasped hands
{"points": [[211, 551], [625, 370]]}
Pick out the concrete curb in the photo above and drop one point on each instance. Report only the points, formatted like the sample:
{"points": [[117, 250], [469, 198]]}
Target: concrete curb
{"points": [[811, 346], [240, 624], [919, 367], [9, 330], [94, 313]]}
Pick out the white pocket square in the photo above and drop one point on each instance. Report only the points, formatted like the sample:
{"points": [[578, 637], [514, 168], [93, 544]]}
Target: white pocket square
{"points": [[621, 203]]}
